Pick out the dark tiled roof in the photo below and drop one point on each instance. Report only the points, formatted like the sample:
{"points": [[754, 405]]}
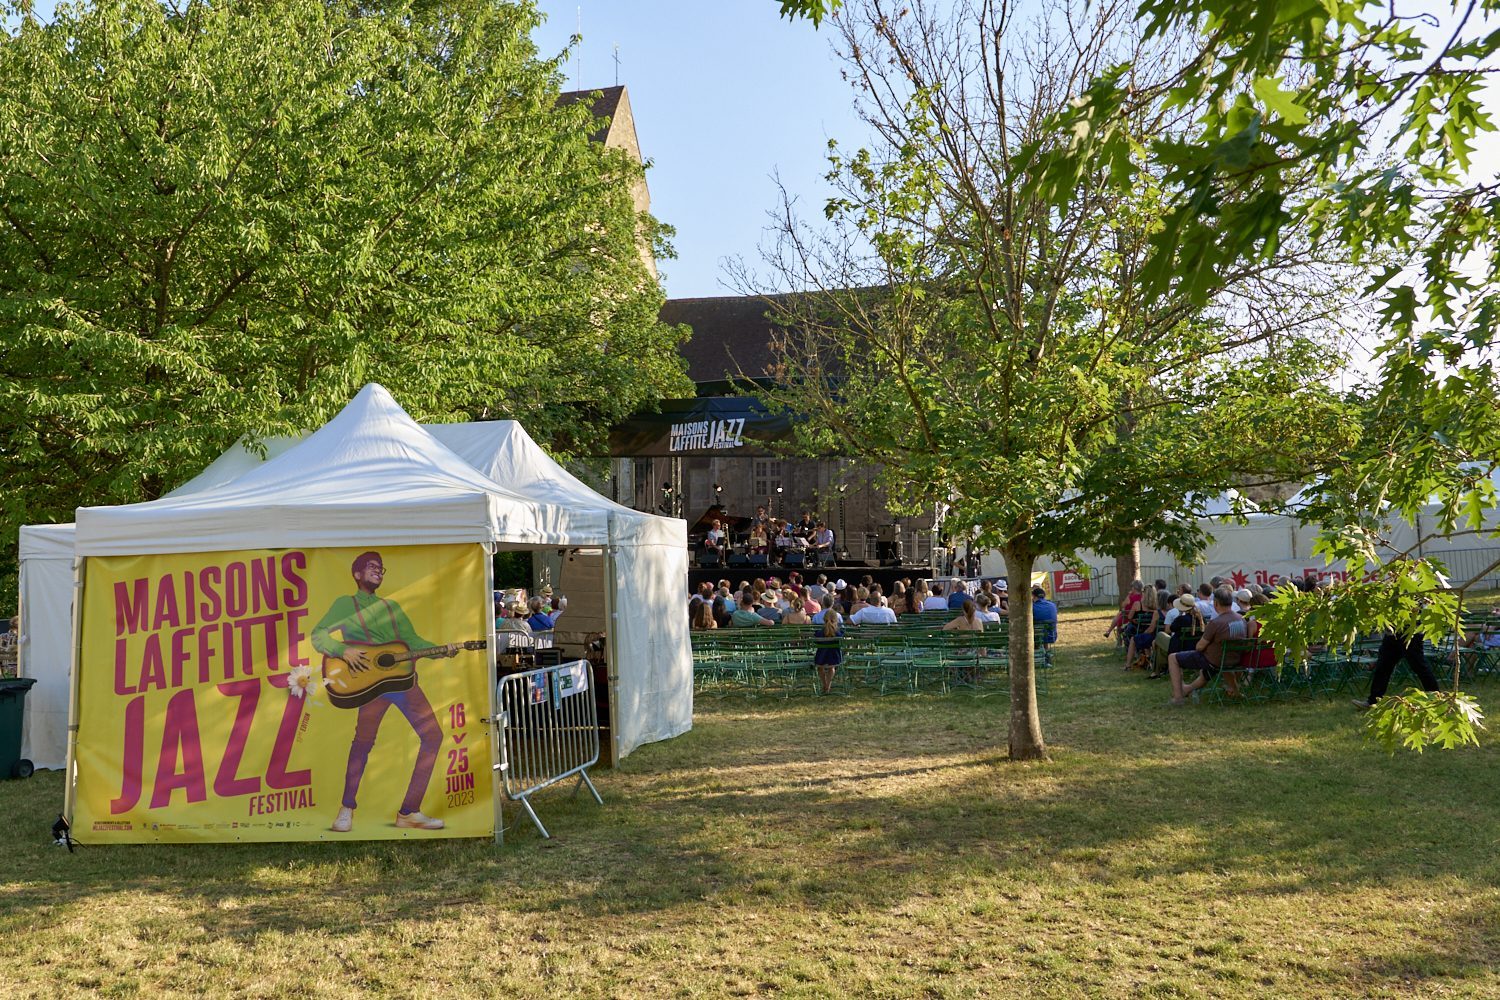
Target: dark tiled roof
{"points": [[604, 107], [731, 336]]}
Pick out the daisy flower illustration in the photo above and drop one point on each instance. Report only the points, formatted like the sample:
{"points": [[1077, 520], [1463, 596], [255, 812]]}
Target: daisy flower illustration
{"points": [[302, 683]]}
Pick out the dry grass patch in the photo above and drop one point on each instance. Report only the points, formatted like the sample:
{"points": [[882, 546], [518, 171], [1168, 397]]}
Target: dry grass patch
{"points": [[844, 846]]}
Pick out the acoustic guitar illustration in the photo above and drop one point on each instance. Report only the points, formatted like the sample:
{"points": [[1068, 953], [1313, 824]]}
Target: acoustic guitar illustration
{"points": [[391, 667]]}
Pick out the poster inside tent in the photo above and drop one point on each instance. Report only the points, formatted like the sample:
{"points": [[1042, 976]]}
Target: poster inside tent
{"points": [[293, 694]]}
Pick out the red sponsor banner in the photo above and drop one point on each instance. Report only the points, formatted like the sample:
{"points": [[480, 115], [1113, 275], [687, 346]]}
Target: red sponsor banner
{"points": [[1277, 573], [1064, 582]]}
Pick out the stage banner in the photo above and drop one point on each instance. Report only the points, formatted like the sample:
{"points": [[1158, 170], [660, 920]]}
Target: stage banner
{"points": [[302, 694]]}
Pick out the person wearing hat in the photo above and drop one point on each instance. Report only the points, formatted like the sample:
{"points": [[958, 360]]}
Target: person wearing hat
{"points": [[770, 606], [1242, 598], [1002, 597], [1181, 620], [512, 619], [745, 616]]}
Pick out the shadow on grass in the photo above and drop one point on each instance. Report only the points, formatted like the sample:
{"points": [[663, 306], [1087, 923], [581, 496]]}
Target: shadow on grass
{"points": [[866, 804], [869, 822]]}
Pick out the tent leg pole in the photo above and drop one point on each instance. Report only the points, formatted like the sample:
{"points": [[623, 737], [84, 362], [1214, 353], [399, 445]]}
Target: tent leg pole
{"points": [[611, 646], [491, 683], [70, 779]]}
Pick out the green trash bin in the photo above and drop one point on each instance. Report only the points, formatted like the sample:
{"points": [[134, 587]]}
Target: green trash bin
{"points": [[12, 712]]}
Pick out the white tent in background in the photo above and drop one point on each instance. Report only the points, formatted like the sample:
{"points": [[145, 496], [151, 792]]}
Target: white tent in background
{"points": [[46, 639], [647, 625], [234, 463]]}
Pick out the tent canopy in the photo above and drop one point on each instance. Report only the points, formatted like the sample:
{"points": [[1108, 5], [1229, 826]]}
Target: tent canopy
{"points": [[371, 475]]}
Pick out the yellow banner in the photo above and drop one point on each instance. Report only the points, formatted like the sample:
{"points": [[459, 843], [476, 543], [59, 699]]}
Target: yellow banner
{"points": [[298, 694]]}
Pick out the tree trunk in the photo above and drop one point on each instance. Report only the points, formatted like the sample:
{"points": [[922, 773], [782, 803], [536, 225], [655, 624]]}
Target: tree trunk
{"points": [[1128, 568], [1025, 722]]}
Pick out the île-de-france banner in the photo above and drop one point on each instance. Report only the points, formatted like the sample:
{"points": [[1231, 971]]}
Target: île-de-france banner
{"points": [[290, 694]]}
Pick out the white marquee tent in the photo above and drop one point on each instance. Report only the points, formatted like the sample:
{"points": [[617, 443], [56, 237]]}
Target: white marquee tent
{"points": [[374, 476]]}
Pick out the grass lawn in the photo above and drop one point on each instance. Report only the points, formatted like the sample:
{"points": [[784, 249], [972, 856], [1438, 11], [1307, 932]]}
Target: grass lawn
{"points": [[846, 846]]}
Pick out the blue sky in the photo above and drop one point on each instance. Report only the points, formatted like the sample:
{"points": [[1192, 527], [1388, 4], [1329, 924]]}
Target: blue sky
{"points": [[725, 95]]}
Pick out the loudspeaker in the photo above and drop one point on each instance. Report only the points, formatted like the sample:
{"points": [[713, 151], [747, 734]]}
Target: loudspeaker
{"points": [[738, 559], [709, 559], [760, 559], [792, 557]]}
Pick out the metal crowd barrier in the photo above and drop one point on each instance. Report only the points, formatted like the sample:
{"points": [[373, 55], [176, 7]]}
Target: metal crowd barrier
{"points": [[549, 731]]}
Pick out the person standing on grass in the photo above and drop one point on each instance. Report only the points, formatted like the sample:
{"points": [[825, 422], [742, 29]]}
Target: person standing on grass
{"points": [[1393, 649], [830, 652]]}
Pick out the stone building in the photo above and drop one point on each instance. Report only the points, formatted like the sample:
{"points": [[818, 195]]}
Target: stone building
{"points": [[725, 452], [612, 105], [722, 449]]}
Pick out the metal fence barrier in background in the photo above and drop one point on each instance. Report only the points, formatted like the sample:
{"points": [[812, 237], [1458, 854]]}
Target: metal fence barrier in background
{"points": [[1465, 564], [549, 731]]}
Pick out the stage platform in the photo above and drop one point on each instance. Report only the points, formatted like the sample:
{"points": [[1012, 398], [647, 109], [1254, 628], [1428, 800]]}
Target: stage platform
{"points": [[850, 573]]}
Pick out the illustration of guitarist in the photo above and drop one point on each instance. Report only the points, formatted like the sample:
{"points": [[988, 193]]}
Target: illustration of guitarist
{"points": [[364, 619]]}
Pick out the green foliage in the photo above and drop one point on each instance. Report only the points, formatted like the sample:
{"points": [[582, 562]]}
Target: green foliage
{"points": [[1356, 125], [1403, 597], [223, 219], [993, 351], [1417, 719], [513, 569], [813, 10]]}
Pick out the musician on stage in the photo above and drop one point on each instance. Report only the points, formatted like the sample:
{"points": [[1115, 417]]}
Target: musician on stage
{"points": [[363, 619]]}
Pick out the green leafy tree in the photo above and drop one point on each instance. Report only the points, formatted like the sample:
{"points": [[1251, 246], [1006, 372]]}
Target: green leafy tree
{"points": [[813, 10], [992, 351], [223, 218], [1356, 123]]}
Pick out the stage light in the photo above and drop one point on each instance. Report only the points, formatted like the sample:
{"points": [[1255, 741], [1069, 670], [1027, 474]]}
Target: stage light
{"points": [[718, 488], [778, 490], [666, 489]]}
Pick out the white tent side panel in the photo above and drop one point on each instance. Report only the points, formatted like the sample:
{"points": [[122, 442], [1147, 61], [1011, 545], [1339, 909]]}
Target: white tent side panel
{"points": [[654, 673], [46, 640], [654, 696]]}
